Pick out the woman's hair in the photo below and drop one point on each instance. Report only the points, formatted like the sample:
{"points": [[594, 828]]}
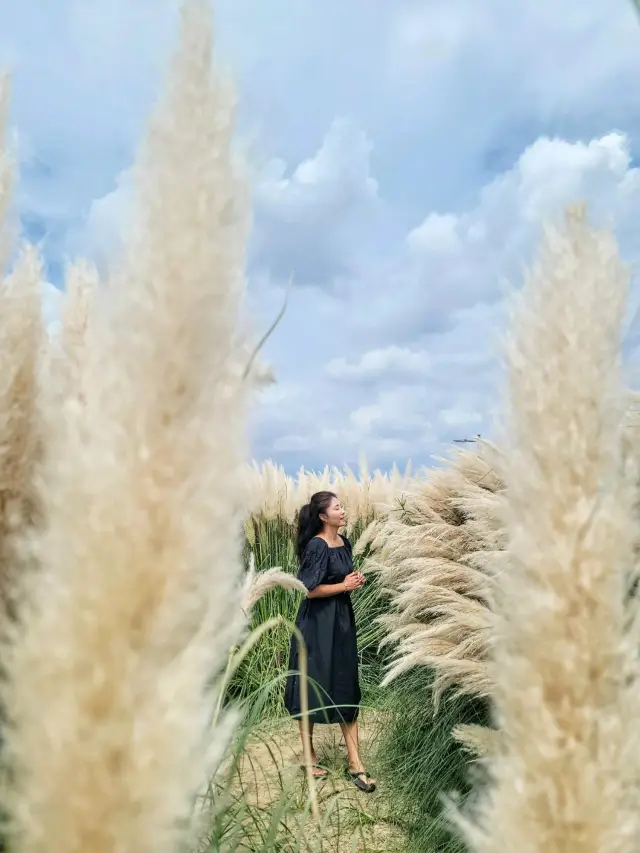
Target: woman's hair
{"points": [[309, 521]]}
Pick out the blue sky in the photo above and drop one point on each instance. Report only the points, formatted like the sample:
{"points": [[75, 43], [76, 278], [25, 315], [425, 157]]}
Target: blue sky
{"points": [[404, 152]]}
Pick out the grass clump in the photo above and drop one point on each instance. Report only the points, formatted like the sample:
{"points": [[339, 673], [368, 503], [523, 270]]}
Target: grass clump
{"points": [[421, 763]]}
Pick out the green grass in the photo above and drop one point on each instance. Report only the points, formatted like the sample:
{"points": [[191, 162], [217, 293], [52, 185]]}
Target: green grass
{"points": [[260, 803], [420, 762]]}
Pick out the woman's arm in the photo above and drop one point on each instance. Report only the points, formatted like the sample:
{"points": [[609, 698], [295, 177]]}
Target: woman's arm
{"points": [[353, 581], [324, 590]]}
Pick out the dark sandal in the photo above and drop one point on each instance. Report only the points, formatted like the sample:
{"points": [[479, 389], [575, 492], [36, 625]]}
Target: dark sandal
{"points": [[358, 780], [323, 771]]}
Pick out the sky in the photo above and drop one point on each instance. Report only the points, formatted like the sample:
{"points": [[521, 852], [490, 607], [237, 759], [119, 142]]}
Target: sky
{"points": [[405, 154]]}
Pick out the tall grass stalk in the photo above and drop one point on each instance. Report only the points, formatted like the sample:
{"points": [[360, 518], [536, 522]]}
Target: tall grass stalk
{"points": [[565, 661], [22, 339], [138, 594], [433, 556], [420, 763], [66, 351], [274, 495]]}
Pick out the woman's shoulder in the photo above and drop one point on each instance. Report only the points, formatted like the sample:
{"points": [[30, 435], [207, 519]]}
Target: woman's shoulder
{"points": [[316, 545]]}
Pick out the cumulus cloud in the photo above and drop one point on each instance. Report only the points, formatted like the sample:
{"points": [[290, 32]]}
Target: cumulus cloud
{"points": [[419, 384], [379, 363], [410, 155], [332, 182], [308, 218], [403, 354], [438, 234], [453, 261]]}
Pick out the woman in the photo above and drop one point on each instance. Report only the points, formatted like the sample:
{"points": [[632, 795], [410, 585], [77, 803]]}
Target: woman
{"points": [[326, 621]]}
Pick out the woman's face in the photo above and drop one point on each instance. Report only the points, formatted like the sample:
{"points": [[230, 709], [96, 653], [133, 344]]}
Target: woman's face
{"points": [[334, 515]]}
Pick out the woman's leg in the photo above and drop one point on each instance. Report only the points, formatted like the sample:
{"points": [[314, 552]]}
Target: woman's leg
{"points": [[350, 733], [316, 771]]}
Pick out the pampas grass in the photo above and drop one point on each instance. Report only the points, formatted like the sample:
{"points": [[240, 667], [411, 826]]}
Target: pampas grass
{"points": [[257, 585], [275, 495], [138, 595], [433, 557], [21, 346], [22, 339], [418, 761], [564, 657], [547, 527], [67, 350]]}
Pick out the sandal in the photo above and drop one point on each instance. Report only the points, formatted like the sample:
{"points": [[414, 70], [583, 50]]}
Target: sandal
{"points": [[359, 780], [318, 772]]}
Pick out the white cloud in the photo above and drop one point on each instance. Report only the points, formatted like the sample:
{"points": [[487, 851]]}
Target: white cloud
{"points": [[380, 363], [335, 178], [306, 219], [438, 233], [458, 416], [488, 244], [462, 126], [366, 417], [418, 385]]}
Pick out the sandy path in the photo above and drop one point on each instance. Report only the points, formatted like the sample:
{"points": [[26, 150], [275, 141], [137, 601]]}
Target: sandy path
{"points": [[272, 784]]}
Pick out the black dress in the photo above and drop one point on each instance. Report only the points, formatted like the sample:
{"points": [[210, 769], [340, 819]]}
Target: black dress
{"points": [[328, 626]]}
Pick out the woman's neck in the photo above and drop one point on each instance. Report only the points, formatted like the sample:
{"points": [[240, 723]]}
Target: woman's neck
{"points": [[330, 534]]}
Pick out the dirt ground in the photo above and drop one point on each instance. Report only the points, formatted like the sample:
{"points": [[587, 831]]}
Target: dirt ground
{"points": [[271, 780]]}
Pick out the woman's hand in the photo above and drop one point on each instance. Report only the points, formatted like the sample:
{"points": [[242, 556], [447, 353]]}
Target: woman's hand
{"points": [[353, 581]]}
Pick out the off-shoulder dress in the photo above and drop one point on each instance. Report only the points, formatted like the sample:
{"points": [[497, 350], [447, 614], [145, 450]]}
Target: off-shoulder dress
{"points": [[328, 627]]}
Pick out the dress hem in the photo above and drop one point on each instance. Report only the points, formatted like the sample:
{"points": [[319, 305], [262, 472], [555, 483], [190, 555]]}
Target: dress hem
{"points": [[319, 718]]}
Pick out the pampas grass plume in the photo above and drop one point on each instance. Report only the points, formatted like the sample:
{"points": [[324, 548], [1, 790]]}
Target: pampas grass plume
{"points": [[137, 600], [564, 663]]}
